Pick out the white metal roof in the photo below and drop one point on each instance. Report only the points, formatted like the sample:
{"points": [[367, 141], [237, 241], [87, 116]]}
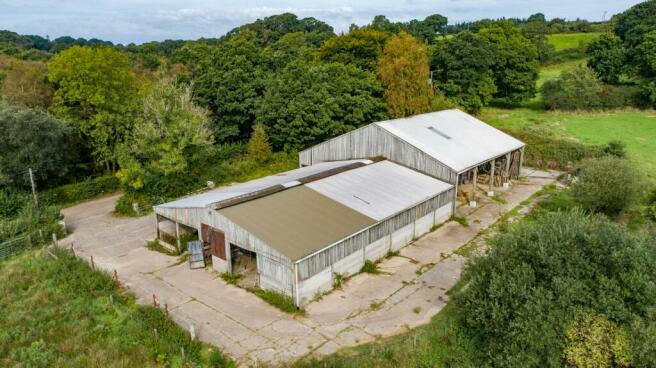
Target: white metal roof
{"points": [[287, 179], [379, 190], [453, 137]]}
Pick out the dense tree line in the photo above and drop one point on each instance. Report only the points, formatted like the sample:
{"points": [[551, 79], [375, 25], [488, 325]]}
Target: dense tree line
{"points": [[294, 78]]}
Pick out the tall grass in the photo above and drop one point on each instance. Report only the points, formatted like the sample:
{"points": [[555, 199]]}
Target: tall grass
{"points": [[60, 313]]}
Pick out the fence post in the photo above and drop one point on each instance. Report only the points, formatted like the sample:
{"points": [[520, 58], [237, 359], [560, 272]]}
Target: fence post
{"points": [[154, 301], [93, 265], [116, 282], [54, 239]]}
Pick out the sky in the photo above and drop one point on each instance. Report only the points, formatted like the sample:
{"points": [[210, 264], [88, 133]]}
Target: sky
{"points": [[124, 21]]}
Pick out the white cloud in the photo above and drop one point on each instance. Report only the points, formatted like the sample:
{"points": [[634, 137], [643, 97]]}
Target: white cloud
{"points": [[145, 20]]}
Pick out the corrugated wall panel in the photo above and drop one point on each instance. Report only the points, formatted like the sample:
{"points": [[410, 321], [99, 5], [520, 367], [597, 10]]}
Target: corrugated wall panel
{"points": [[372, 141], [324, 259]]}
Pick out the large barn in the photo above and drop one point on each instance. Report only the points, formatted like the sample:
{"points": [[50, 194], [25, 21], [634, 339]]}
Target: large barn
{"points": [[354, 198]]}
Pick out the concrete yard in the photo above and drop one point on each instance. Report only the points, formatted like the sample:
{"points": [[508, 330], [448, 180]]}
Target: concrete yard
{"points": [[248, 329]]}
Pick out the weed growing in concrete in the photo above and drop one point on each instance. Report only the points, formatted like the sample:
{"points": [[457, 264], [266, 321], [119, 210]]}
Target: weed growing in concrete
{"points": [[156, 246], [435, 227], [376, 305], [279, 300], [338, 278], [391, 254], [416, 310], [370, 267], [231, 278], [498, 199], [461, 220]]}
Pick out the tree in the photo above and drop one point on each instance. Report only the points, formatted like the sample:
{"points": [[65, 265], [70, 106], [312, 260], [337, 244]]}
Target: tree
{"points": [[462, 69], [534, 280], [259, 148], [32, 139], [608, 185], [167, 137], [26, 84], [427, 30], [309, 103], [271, 29], [229, 80], [607, 57], [516, 65], [360, 47], [96, 91], [575, 89], [536, 31], [634, 24], [404, 72], [645, 57]]}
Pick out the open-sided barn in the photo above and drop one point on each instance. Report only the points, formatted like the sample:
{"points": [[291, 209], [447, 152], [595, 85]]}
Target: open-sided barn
{"points": [[355, 198]]}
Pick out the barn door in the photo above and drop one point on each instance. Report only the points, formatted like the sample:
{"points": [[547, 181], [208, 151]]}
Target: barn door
{"points": [[205, 233], [217, 240]]}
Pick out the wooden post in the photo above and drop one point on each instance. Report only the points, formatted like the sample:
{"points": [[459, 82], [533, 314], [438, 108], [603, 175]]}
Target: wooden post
{"points": [[490, 191], [36, 198], [116, 282], [166, 309], [93, 265], [154, 301], [521, 161]]}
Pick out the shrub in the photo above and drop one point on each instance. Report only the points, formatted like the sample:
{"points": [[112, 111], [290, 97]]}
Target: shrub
{"points": [[12, 200], [259, 148], [615, 148], [575, 89], [580, 89], [535, 279], [594, 341], [77, 192], [545, 150], [608, 185]]}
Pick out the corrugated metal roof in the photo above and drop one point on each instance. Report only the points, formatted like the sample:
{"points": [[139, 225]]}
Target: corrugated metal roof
{"points": [[288, 178], [298, 221], [380, 190], [453, 137]]}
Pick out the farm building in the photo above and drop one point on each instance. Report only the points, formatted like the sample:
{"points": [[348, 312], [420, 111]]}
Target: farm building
{"points": [[449, 145], [354, 198], [300, 228]]}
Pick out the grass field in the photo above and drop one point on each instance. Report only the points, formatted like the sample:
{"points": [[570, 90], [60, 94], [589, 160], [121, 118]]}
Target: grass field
{"points": [[551, 72], [61, 313], [637, 129], [562, 41]]}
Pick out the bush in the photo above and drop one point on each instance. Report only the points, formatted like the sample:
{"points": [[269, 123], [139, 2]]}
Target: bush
{"points": [[77, 192], [12, 201], [608, 185], [576, 89], [579, 89], [536, 278], [545, 150]]}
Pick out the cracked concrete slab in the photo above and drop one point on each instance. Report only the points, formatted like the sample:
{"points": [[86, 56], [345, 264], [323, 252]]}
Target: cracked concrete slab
{"points": [[409, 292]]}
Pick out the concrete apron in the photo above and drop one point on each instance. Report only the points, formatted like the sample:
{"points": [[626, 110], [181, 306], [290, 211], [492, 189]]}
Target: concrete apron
{"points": [[409, 293]]}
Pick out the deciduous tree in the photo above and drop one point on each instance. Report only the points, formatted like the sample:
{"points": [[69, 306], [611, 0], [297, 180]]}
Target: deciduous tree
{"points": [[309, 103], [360, 47], [33, 139], [404, 74], [168, 135], [259, 148], [607, 57], [95, 90], [25, 83], [462, 69]]}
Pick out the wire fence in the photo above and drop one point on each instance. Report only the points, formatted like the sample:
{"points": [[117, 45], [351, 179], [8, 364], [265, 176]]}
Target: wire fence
{"points": [[14, 246]]}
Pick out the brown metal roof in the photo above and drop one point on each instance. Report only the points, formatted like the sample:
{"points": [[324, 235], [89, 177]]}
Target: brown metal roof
{"points": [[297, 221]]}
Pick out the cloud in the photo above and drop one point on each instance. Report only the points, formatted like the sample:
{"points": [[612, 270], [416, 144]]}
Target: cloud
{"points": [[146, 20]]}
